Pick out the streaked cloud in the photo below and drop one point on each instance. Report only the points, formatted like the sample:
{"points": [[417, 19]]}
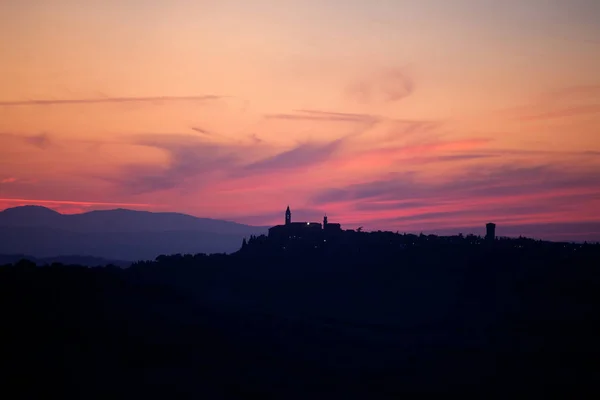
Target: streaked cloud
{"points": [[201, 130], [387, 86], [41, 140], [189, 158], [99, 100], [563, 113], [316, 115], [405, 128], [300, 156], [567, 93]]}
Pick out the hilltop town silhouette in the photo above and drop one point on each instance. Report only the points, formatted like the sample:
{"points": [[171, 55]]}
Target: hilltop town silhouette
{"points": [[302, 238], [317, 232]]}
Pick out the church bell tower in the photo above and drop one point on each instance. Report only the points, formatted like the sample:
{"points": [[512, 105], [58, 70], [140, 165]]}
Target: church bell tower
{"points": [[288, 216]]}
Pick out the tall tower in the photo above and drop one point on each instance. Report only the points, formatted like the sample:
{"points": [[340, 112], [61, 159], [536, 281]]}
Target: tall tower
{"points": [[490, 231], [288, 216], [324, 221]]}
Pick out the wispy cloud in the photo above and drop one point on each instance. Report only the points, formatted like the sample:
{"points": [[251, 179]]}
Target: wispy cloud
{"points": [[566, 102], [388, 86], [389, 205], [504, 151], [300, 156], [456, 157], [562, 113], [316, 115], [190, 158], [419, 152], [436, 146], [404, 128], [255, 139], [146, 99], [573, 91], [8, 180], [201, 130], [41, 140]]}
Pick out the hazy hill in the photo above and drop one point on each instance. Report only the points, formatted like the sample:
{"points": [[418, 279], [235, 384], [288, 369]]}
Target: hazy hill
{"points": [[116, 234]]}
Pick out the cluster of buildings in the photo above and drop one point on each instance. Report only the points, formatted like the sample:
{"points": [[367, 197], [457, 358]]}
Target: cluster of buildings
{"points": [[303, 230], [321, 231]]}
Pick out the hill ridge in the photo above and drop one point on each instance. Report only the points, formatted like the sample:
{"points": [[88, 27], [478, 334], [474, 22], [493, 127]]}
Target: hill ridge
{"points": [[120, 234]]}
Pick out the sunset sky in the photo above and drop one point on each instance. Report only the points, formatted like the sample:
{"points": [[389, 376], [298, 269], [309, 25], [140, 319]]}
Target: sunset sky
{"points": [[387, 114]]}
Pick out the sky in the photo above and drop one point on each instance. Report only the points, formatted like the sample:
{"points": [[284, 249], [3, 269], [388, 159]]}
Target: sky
{"points": [[386, 114]]}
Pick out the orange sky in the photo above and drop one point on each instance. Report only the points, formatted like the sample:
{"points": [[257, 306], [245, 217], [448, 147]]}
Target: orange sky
{"points": [[385, 114]]}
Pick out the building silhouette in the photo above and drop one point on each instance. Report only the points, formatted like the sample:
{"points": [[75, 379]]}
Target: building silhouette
{"points": [[331, 227], [303, 230], [490, 229]]}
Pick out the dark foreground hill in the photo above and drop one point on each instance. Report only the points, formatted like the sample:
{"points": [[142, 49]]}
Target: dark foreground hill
{"points": [[332, 323], [84, 261], [116, 234]]}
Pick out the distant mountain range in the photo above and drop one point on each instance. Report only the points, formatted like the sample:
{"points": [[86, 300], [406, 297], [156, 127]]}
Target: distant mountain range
{"points": [[118, 234]]}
